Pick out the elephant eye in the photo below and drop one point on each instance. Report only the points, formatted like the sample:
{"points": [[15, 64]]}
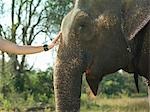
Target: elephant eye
{"points": [[82, 26]]}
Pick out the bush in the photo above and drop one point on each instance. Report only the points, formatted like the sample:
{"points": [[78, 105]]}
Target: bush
{"points": [[40, 85], [121, 83]]}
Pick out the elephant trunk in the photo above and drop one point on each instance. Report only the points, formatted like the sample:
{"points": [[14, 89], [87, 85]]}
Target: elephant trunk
{"points": [[67, 84]]}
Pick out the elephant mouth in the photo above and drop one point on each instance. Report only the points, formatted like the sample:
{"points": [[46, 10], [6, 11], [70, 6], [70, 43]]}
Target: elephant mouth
{"points": [[88, 59], [92, 77], [88, 71], [90, 63]]}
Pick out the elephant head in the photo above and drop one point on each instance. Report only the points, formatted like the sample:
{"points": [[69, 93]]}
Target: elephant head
{"points": [[95, 36]]}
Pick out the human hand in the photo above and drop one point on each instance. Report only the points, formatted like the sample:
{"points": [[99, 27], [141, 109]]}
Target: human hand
{"points": [[55, 40]]}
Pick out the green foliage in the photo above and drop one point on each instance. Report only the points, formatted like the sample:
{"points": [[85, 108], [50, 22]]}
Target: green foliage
{"points": [[21, 87], [118, 84], [30, 18], [56, 11], [38, 90], [3, 102], [40, 85], [121, 83]]}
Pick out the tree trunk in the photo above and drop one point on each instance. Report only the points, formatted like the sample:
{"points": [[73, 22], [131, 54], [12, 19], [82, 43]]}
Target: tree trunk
{"points": [[149, 96], [3, 64]]}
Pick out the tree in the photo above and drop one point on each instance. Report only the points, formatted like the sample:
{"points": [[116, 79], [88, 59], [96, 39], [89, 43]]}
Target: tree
{"points": [[30, 18], [121, 83]]}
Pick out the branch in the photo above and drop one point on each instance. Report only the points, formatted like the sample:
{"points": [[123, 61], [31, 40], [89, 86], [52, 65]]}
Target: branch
{"points": [[13, 30], [36, 35], [2, 32], [12, 11], [19, 12], [36, 7], [21, 66], [24, 34], [31, 67], [39, 32], [30, 13], [33, 27]]}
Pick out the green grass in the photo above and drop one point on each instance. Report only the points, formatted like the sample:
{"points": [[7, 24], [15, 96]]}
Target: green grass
{"points": [[94, 104], [125, 104]]}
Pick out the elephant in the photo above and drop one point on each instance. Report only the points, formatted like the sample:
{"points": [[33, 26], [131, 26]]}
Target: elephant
{"points": [[100, 37]]}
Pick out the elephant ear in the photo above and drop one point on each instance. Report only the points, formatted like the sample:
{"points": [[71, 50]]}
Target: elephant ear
{"points": [[135, 15]]}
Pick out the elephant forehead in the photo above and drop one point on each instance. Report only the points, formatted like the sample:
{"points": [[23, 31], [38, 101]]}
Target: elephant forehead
{"points": [[106, 21], [69, 18], [97, 6], [68, 23]]}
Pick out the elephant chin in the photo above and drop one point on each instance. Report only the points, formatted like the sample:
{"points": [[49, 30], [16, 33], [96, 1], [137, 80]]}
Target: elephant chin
{"points": [[92, 81]]}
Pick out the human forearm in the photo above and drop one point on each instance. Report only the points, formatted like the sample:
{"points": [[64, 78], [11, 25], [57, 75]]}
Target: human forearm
{"points": [[15, 49], [57, 37], [27, 50], [7, 46]]}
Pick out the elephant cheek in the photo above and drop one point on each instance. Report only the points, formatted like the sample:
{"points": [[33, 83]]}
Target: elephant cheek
{"points": [[67, 85]]}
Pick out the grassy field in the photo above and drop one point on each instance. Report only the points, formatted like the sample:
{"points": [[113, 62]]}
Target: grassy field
{"points": [[98, 104]]}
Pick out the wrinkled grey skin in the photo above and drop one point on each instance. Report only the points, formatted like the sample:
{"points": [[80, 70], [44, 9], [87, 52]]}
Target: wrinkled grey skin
{"points": [[95, 38]]}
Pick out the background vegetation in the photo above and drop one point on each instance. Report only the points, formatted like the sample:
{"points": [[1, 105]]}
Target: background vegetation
{"points": [[24, 89]]}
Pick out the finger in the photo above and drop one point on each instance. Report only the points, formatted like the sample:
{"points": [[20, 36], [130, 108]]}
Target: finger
{"points": [[57, 43], [57, 37]]}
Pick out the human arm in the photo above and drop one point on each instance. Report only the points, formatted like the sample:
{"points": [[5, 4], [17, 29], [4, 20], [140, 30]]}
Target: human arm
{"points": [[9, 47]]}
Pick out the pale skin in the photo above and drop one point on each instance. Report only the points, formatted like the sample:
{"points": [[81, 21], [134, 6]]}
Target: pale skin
{"points": [[9, 47]]}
